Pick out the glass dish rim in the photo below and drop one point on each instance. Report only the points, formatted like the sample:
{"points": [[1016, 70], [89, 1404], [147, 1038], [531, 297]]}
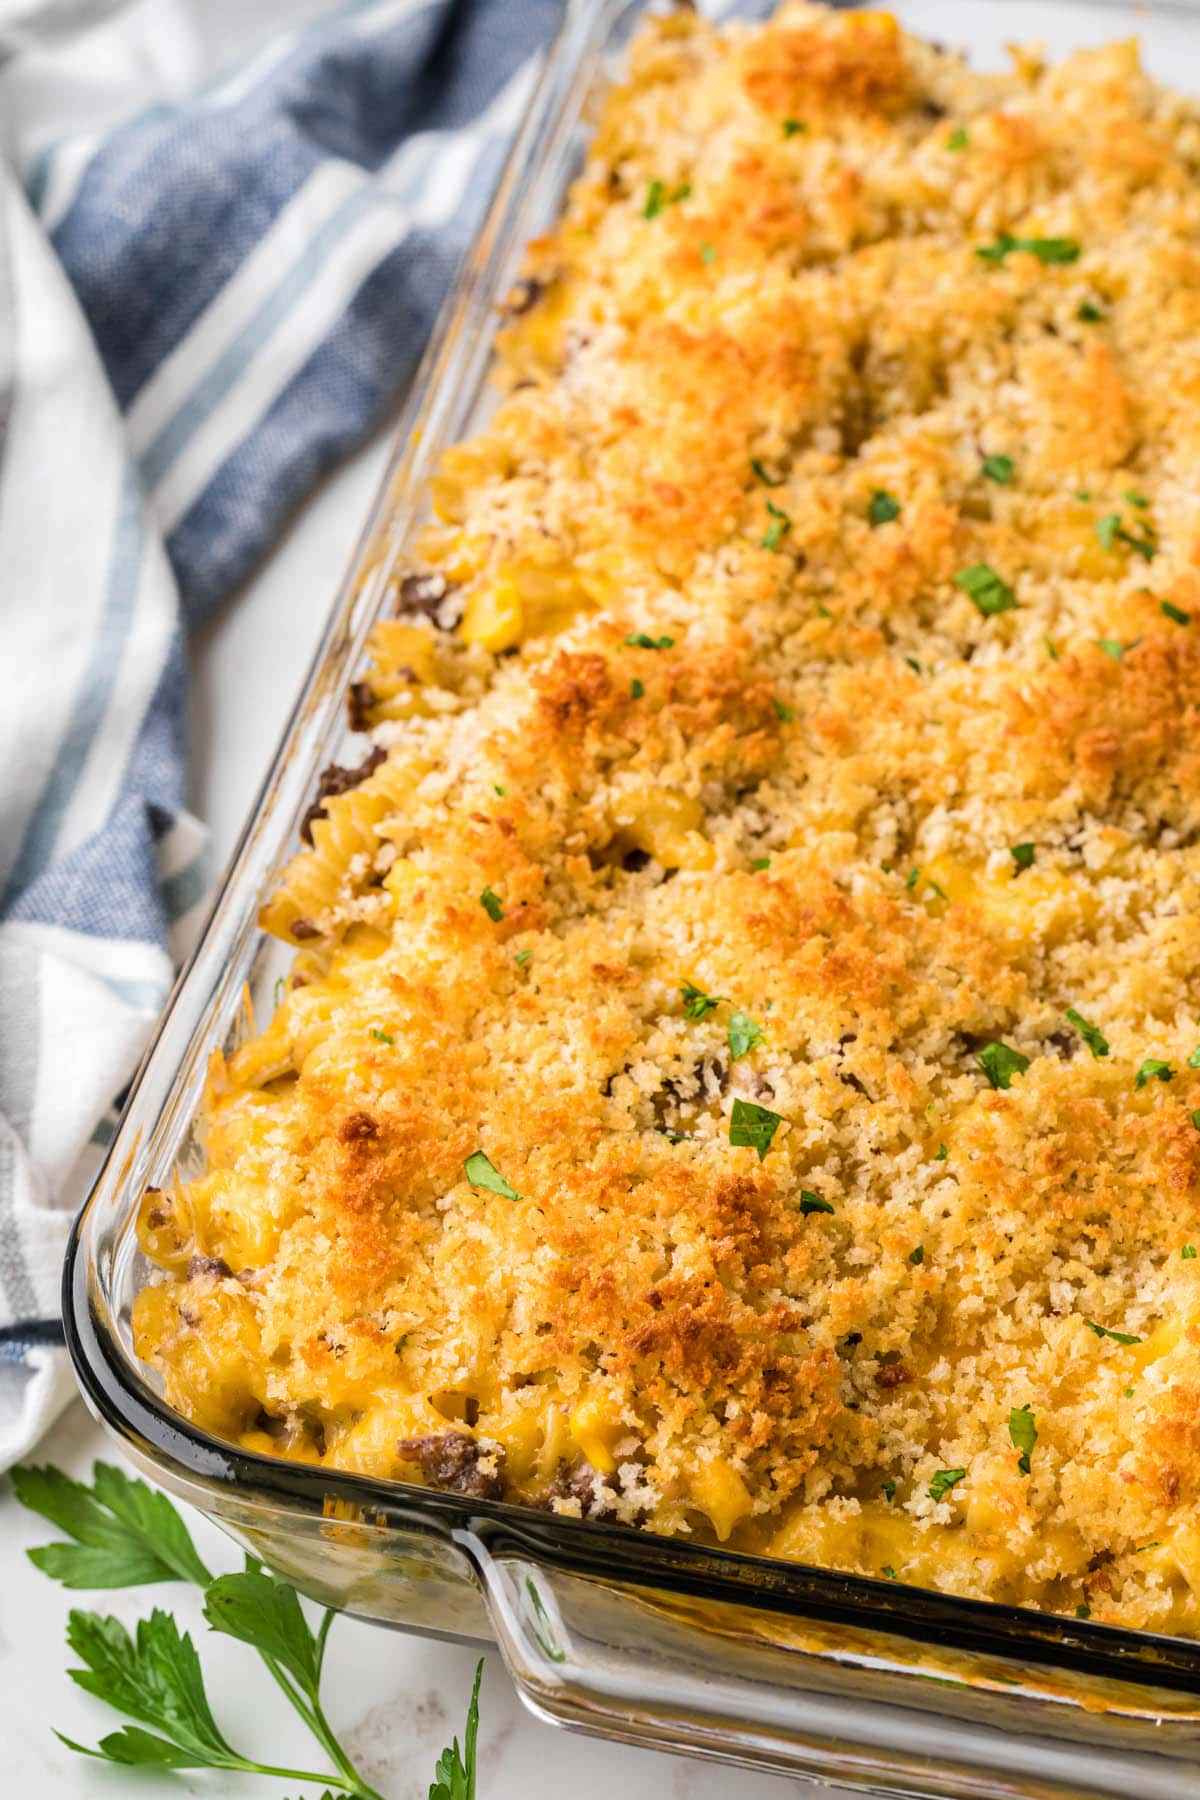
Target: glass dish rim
{"points": [[118, 1391]]}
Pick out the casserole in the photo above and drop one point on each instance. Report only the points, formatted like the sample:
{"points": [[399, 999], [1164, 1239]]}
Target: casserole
{"points": [[536, 1572]]}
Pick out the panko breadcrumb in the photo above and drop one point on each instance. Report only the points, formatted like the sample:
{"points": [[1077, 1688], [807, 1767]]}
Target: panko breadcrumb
{"points": [[740, 1070]]}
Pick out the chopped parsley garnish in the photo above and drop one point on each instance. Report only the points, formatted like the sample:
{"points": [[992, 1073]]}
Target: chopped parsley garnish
{"points": [[943, 1481], [636, 689], [888, 1570], [942, 1154], [1000, 1063], [1118, 1337], [913, 664], [482, 1173], [778, 529], [1095, 1039], [641, 640], [1153, 1069], [888, 1490], [1047, 250], [1188, 1253], [492, 905], [793, 127], [958, 139], [743, 1035], [760, 863], [760, 470], [1109, 530], [783, 713], [988, 590], [912, 878], [1022, 1429], [1194, 1058], [917, 1257], [813, 1203], [381, 1037], [1090, 313], [696, 1003], [522, 957], [1135, 499], [708, 253], [753, 1127], [1195, 1118], [823, 612], [1083, 1612], [998, 469], [1175, 612], [1051, 652], [1023, 855], [884, 507], [1141, 1548], [657, 197], [1113, 647], [498, 788]]}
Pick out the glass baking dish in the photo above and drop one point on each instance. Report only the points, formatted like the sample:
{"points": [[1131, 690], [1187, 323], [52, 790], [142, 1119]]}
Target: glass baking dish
{"points": [[889, 1689]]}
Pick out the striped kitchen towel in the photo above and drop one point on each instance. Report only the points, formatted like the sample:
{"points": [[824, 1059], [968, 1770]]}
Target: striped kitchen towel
{"points": [[201, 309]]}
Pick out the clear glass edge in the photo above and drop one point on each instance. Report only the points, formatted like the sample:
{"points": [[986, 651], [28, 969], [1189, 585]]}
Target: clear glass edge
{"points": [[165, 1091]]}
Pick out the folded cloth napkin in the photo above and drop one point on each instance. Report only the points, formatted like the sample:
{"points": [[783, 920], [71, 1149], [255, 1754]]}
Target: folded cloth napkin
{"points": [[201, 309]]}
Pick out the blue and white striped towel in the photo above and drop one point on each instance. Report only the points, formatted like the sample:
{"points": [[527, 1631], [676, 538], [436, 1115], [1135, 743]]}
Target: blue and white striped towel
{"points": [[201, 310]]}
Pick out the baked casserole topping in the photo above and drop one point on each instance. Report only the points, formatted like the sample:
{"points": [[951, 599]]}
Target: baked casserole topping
{"points": [[740, 1069]]}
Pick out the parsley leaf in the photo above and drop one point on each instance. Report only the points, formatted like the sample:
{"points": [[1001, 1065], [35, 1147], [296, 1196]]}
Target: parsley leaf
{"points": [[636, 689], [888, 1490], [1047, 250], [783, 713], [791, 127], [1195, 1118], [1083, 1612], [760, 470], [1095, 1039], [125, 1533], [1153, 1069], [1188, 1253], [743, 1035], [156, 1679], [1000, 1063], [1176, 613], [696, 1003], [943, 1153], [381, 1037], [778, 529], [1023, 855], [1118, 1337], [1113, 647], [454, 1777], [888, 1570], [988, 590], [481, 1172], [522, 957], [257, 1608], [884, 507], [958, 139], [998, 469], [1109, 530], [1135, 499], [812, 1203], [760, 863], [708, 253], [1194, 1058], [641, 640], [1022, 1429], [917, 1257], [1090, 313], [492, 905], [943, 1481], [753, 1127], [657, 197]]}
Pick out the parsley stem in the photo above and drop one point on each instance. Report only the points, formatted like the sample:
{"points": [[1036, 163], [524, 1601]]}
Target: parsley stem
{"points": [[314, 1717]]}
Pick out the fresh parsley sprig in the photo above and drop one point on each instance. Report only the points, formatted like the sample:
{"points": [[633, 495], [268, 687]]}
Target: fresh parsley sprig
{"points": [[123, 1533]]}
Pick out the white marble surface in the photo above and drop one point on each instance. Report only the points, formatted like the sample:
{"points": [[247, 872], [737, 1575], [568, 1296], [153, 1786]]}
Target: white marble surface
{"points": [[395, 1699]]}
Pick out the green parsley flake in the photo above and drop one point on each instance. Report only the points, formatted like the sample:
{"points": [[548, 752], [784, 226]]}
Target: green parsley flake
{"points": [[1110, 531], [743, 1035], [943, 1153], [696, 1003], [760, 863], [1051, 652], [481, 1173], [657, 197], [1153, 1069], [636, 689], [1188, 1253], [917, 1257], [793, 127], [778, 529], [1047, 250], [1118, 1337], [812, 1203], [641, 640], [1194, 1058], [753, 1127], [760, 470], [913, 664], [1095, 1039], [1135, 499], [522, 957], [1000, 1063], [1023, 855], [958, 139], [912, 878], [1111, 647], [381, 1037], [1022, 1429], [1083, 1612], [884, 507], [1195, 1118], [1142, 1548], [708, 253], [998, 469], [990, 593], [783, 713], [1090, 313], [492, 905], [1176, 613], [943, 1481], [888, 1570], [888, 1490]]}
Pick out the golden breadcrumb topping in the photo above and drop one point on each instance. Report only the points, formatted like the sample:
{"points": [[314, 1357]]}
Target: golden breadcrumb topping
{"points": [[741, 1068]]}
